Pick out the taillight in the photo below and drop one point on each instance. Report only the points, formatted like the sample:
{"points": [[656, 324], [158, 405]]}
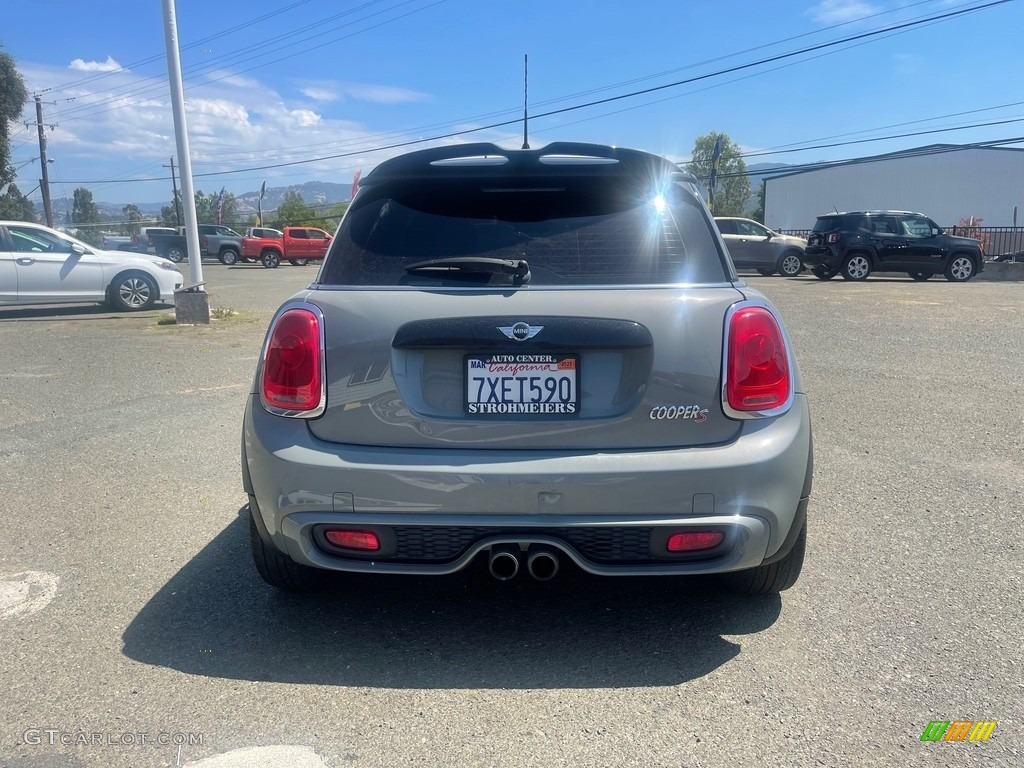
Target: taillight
{"points": [[293, 373], [757, 375], [367, 541], [694, 541], [203, 241], [833, 237]]}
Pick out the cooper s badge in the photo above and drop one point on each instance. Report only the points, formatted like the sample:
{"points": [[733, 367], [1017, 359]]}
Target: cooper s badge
{"points": [[693, 413]]}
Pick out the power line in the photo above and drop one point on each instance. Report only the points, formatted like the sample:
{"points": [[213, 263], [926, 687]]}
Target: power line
{"points": [[567, 97], [933, 149], [453, 134], [632, 94]]}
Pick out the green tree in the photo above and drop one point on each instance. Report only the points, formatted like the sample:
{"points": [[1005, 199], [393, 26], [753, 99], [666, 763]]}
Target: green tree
{"points": [[14, 206], [83, 209], [206, 208], [169, 213], [12, 101], [732, 187], [132, 217], [758, 213], [329, 219], [293, 211]]}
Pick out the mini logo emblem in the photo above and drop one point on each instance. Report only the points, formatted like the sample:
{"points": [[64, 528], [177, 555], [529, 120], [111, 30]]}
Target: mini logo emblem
{"points": [[520, 331]]}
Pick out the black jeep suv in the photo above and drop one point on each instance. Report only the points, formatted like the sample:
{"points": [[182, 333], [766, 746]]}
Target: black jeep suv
{"points": [[859, 243]]}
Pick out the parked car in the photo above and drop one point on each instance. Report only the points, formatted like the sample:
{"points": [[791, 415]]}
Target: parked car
{"points": [[215, 241], [296, 245], [117, 243], [142, 241], [258, 232], [861, 242], [754, 246], [39, 265], [529, 357]]}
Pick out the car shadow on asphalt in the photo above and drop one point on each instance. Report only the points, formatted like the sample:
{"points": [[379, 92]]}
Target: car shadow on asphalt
{"points": [[75, 312], [216, 618]]}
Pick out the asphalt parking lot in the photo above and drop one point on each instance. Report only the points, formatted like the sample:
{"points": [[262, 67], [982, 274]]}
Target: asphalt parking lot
{"points": [[129, 606]]}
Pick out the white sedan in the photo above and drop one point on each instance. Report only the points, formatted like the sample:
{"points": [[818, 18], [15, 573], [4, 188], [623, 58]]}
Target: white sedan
{"points": [[39, 265]]}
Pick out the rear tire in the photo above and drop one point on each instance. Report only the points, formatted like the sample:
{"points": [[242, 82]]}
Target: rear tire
{"points": [[766, 271], [823, 273], [279, 570], [856, 267], [229, 256], [271, 259], [960, 269], [790, 264], [772, 578], [176, 255], [920, 276], [298, 262]]}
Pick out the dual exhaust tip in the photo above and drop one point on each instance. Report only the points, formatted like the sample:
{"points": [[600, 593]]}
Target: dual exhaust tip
{"points": [[506, 560]]}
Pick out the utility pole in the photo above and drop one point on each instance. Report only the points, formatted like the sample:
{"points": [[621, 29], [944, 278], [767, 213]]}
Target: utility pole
{"points": [[715, 154], [174, 186], [44, 183]]}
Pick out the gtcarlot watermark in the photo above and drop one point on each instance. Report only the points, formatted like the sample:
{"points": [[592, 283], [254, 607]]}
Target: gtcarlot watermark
{"points": [[52, 737]]}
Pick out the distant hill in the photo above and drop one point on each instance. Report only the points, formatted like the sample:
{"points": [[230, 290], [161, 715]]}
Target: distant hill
{"points": [[313, 193]]}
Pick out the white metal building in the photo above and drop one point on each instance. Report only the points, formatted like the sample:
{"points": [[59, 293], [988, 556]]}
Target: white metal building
{"points": [[947, 182]]}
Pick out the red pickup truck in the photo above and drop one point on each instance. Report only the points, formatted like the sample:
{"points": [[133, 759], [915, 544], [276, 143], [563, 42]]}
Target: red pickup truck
{"points": [[296, 245]]}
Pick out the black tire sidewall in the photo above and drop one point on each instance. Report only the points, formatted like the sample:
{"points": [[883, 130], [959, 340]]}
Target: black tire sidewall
{"points": [[949, 269], [115, 292], [845, 269], [782, 261]]}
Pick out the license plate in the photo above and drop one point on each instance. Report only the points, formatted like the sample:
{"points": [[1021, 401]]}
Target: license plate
{"points": [[522, 385]]}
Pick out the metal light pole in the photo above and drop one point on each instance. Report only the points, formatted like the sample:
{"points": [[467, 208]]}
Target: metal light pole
{"points": [[192, 302]]}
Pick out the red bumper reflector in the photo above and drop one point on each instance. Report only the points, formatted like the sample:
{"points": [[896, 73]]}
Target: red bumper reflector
{"points": [[694, 541], [364, 540]]}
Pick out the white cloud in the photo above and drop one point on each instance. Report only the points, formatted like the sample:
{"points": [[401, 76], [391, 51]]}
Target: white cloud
{"points": [[839, 11], [320, 94], [221, 109], [229, 78], [329, 90], [305, 117], [80, 65], [121, 127], [381, 94]]}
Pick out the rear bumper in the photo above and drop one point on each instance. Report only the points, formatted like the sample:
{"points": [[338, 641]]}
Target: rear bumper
{"points": [[816, 256], [601, 510]]}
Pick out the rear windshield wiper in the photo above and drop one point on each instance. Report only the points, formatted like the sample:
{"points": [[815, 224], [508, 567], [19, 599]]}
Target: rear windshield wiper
{"points": [[517, 268]]}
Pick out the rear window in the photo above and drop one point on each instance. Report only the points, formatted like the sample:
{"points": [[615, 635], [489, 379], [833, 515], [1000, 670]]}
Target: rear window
{"points": [[571, 231], [830, 223]]}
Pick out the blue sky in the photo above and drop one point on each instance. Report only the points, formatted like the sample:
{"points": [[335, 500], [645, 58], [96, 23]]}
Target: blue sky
{"points": [[281, 81]]}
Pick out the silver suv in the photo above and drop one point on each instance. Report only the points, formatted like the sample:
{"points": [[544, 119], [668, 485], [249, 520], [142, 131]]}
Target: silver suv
{"points": [[535, 358], [754, 246]]}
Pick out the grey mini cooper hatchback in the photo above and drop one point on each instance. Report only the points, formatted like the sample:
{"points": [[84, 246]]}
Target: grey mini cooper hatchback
{"points": [[528, 358]]}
